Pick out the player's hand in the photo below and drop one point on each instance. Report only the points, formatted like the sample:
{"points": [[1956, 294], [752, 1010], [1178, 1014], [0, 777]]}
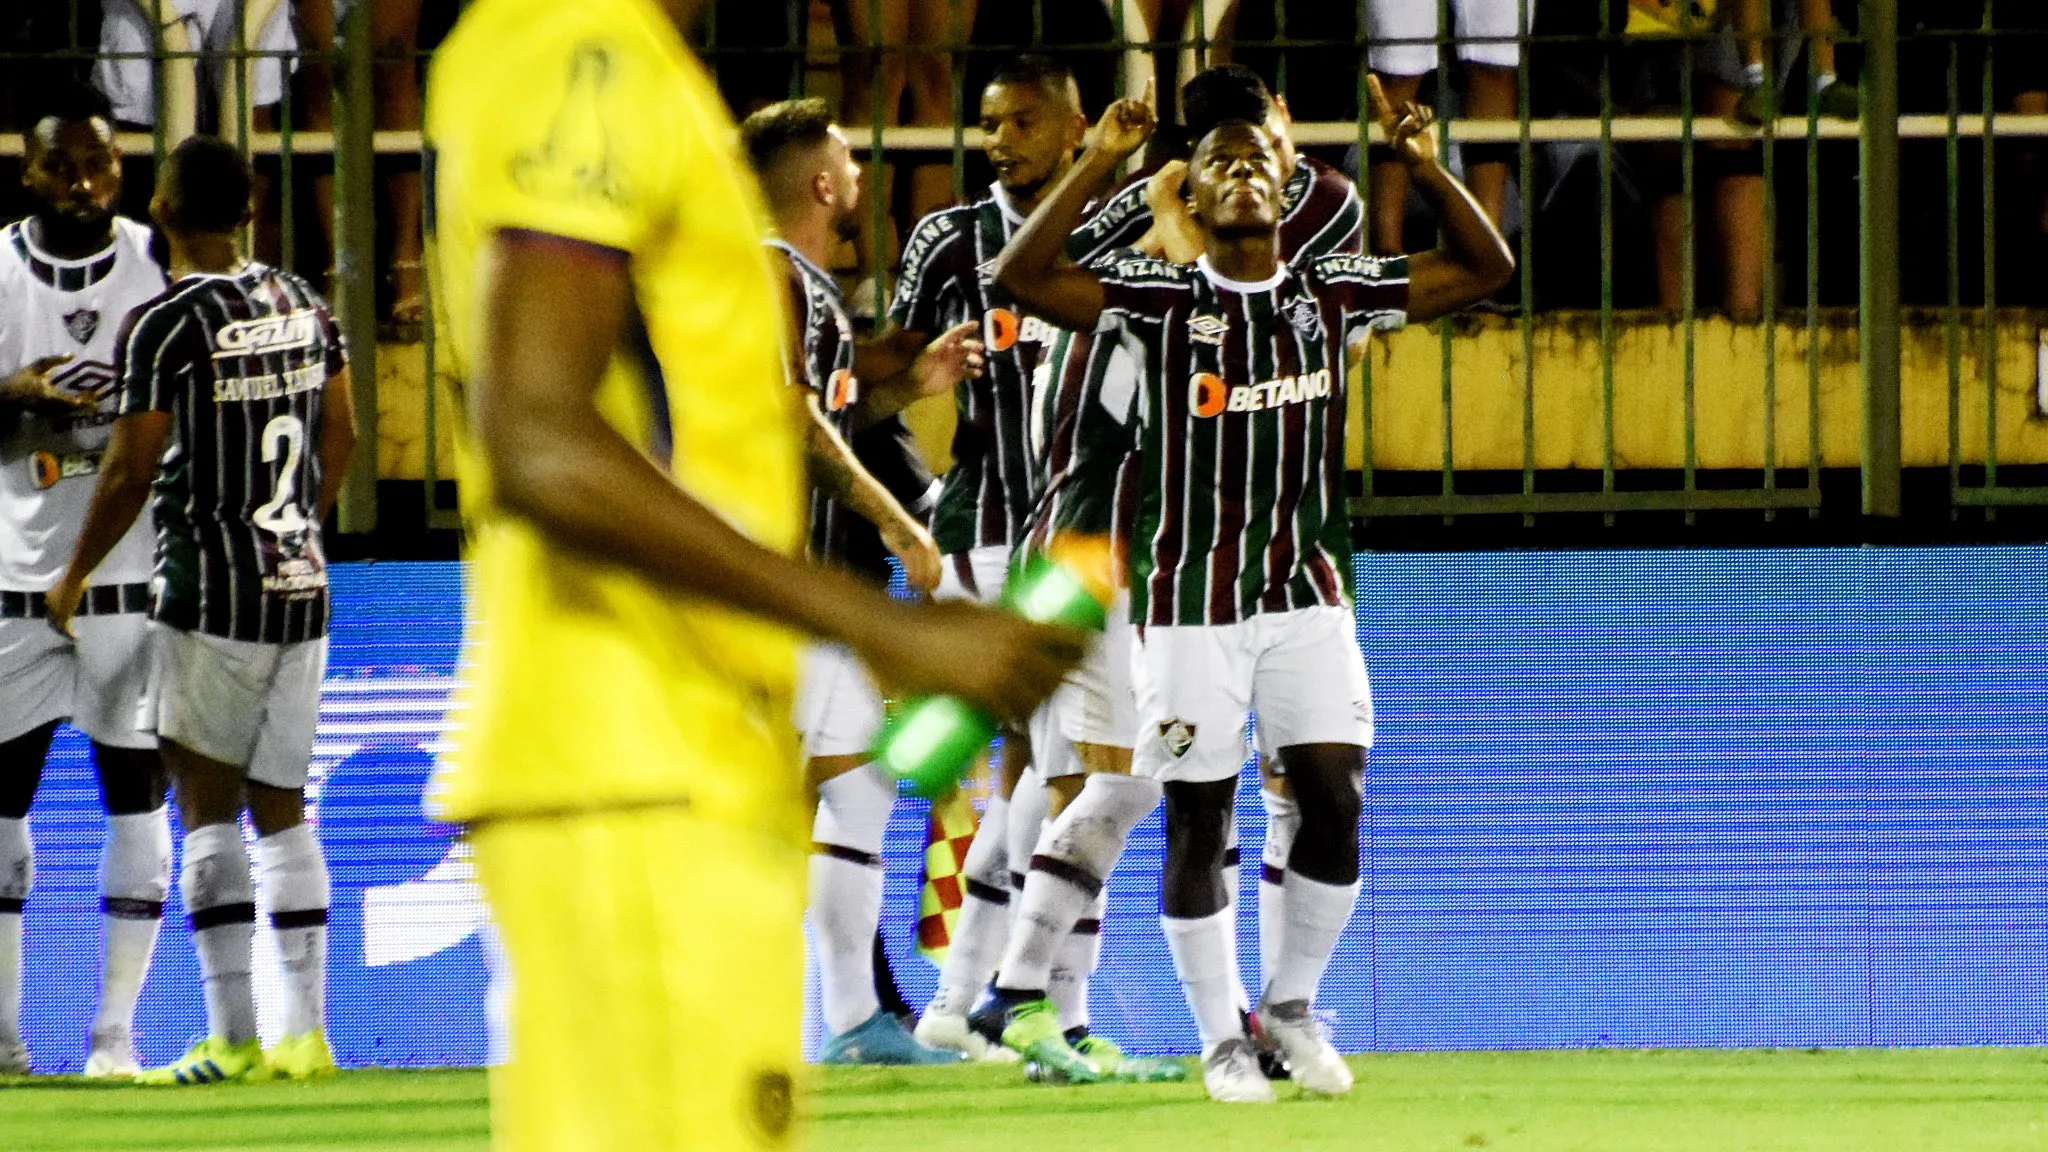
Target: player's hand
{"points": [[1410, 128], [31, 388], [1001, 663], [1127, 124], [907, 540], [1177, 235], [955, 356], [61, 603]]}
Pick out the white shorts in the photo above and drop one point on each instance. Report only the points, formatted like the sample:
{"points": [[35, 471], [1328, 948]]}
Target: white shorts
{"points": [[1485, 33], [1099, 707], [97, 683], [1301, 670], [838, 707], [124, 70], [252, 705], [976, 574], [1052, 750]]}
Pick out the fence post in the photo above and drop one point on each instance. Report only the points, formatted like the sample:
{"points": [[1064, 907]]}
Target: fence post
{"points": [[355, 255], [1880, 257]]}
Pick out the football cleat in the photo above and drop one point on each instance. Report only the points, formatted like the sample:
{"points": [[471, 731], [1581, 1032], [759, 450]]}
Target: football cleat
{"points": [[1103, 1052], [949, 1031], [1230, 1072], [301, 1057], [212, 1060], [113, 1055], [1272, 1061], [1033, 1032], [881, 1039], [1315, 1063]]}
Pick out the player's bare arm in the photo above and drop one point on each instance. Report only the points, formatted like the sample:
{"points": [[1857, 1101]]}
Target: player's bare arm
{"points": [[1034, 267], [932, 369], [1174, 235], [839, 473], [29, 389], [337, 438], [554, 461], [1474, 260], [127, 469]]}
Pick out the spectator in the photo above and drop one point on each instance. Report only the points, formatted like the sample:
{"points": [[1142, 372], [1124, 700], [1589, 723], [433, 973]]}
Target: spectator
{"points": [[1816, 24], [202, 92]]}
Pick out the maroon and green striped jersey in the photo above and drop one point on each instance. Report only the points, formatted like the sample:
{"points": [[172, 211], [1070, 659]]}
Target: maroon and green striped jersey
{"points": [[1237, 426], [825, 361]]}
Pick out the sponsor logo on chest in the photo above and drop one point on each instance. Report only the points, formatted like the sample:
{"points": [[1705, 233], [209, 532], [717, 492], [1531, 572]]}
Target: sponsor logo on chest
{"points": [[1209, 395], [269, 334], [1005, 329]]}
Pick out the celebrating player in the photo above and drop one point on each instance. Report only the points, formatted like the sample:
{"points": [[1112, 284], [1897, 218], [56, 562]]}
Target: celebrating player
{"points": [[633, 484], [812, 185], [1238, 420], [235, 406], [68, 276]]}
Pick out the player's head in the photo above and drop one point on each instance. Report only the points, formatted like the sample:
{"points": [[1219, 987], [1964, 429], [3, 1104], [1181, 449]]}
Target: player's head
{"points": [[804, 163], [70, 163], [1234, 179], [1031, 122], [1235, 92], [203, 189]]}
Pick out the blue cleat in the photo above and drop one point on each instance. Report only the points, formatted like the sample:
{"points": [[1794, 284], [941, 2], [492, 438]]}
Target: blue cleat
{"points": [[881, 1039]]}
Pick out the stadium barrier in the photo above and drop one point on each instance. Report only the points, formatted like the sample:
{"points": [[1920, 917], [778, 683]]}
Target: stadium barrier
{"points": [[1687, 798]]}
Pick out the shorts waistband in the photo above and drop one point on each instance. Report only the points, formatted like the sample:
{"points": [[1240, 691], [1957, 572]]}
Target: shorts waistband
{"points": [[101, 600]]}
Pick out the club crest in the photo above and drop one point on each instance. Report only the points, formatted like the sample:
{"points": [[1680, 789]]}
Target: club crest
{"points": [[82, 324], [1302, 314], [1178, 736], [1208, 329]]}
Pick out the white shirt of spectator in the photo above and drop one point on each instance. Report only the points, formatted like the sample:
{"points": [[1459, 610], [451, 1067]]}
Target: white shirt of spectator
{"points": [[49, 464], [124, 71]]}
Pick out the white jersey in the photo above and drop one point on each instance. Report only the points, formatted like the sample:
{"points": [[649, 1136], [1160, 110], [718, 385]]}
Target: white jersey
{"points": [[49, 464]]}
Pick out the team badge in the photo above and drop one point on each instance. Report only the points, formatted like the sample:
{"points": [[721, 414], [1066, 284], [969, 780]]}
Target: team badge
{"points": [[1302, 314], [1178, 736], [1208, 329], [82, 324]]}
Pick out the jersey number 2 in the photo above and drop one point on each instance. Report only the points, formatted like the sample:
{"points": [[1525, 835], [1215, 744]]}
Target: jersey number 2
{"points": [[280, 514]]}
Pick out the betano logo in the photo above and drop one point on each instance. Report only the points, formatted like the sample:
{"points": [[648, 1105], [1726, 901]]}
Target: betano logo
{"points": [[1006, 328], [1209, 396]]}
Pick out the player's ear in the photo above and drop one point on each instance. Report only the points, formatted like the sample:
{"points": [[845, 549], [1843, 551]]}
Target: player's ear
{"points": [[1286, 113], [822, 190]]}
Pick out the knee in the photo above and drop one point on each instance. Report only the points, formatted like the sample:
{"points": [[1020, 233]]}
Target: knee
{"points": [[131, 779]]}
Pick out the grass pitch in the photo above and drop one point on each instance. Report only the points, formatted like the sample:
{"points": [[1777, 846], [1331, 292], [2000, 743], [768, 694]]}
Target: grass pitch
{"points": [[1855, 1100]]}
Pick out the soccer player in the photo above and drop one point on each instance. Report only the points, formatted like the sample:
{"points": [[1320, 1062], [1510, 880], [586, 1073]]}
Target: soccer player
{"points": [[1031, 125], [236, 426], [812, 185], [68, 276], [633, 483], [1238, 418]]}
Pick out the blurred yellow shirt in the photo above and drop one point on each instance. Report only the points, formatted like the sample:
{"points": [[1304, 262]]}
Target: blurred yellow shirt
{"points": [[586, 686], [1669, 17]]}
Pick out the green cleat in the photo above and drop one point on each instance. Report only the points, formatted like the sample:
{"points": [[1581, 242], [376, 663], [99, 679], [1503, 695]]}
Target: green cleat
{"points": [[211, 1061], [1033, 1032], [1104, 1054], [302, 1057]]}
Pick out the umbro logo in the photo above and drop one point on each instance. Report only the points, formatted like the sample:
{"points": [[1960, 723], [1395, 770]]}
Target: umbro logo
{"points": [[1208, 329], [1177, 736]]}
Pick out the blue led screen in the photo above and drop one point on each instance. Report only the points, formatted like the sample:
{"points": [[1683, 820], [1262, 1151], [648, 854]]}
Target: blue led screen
{"points": [[1786, 798]]}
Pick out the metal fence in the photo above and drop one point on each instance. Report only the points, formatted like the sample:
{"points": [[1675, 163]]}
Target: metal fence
{"points": [[1575, 394]]}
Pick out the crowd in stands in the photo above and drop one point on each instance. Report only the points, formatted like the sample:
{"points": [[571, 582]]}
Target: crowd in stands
{"points": [[1739, 61]]}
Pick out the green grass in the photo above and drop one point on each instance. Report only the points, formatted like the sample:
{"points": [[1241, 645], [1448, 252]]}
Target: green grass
{"points": [[1858, 1100]]}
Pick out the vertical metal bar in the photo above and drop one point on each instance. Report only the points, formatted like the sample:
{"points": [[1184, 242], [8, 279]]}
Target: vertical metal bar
{"points": [[878, 208], [1990, 269], [159, 86], [956, 56], [287, 229], [1525, 154], [1279, 53], [1952, 318], [1880, 263], [1770, 301], [798, 13], [1688, 306], [1606, 255], [355, 232], [1445, 56], [1365, 387], [1812, 296]]}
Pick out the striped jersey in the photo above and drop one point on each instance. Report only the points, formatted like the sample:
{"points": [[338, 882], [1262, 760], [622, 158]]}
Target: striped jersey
{"points": [[945, 279], [240, 363], [1237, 418], [825, 360], [1077, 454]]}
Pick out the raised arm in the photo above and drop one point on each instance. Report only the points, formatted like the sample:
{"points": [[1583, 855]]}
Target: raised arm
{"points": [[1474, 260], [1033, 267]]}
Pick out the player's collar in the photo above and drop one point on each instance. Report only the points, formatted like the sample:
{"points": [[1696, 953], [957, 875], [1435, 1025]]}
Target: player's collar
{"points": [[1240, 286], [58, 272], [1004, 206]]}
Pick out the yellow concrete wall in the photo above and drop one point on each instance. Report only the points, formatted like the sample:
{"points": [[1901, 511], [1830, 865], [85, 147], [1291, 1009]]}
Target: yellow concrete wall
{"points": [[1488, 387]]}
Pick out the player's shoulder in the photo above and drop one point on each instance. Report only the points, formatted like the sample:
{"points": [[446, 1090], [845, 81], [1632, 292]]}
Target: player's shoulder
{"points": [[1108, 214], [935, 229], [1351, 268]]}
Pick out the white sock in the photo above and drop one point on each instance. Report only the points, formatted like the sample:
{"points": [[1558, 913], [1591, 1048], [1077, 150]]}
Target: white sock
{"points": [[1316, 914], [846, 893], [1823, 82], [1233, 879], [1752, 75], [984, 924], [1074, 856], [135, 874], [293, 875], [220, 897], [1283, 819], [17, 876], [1076, 963], [1025, 821], [1201, 957]]}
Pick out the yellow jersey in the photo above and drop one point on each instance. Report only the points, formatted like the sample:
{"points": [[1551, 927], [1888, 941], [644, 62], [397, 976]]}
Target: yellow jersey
{"points": [[586, 686]]}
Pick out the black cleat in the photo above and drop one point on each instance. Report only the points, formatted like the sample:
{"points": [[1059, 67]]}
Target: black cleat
{"points": [[1272, 1061]]}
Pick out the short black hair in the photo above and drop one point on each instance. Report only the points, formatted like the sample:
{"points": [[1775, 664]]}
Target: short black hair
{"points": [[1033, 68], [67, 103], [1225, 92], [777, 128], [206, 183]]}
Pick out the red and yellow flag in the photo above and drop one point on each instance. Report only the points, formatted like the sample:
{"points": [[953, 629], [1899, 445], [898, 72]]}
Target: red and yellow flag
{"points": [[948, 835]]}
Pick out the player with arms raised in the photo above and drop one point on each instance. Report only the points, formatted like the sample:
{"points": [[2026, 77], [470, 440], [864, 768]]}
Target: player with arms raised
{"points": [[1238, 421], [69, 275], [235, 407]]}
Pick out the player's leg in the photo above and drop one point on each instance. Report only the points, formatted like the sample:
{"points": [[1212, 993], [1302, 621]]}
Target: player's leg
{"points": [[135, 868], [21, 769], [1493, 59], [1283, 819], [1314, 698], [1402, 34]]}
